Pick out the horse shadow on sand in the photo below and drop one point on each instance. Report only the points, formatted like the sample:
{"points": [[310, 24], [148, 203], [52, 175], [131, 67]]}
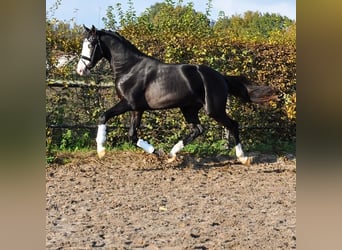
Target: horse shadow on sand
{"points": [[185, 160], [222, 161]]}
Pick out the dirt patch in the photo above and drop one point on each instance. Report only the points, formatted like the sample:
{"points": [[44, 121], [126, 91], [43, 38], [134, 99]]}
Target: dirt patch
{"points": [[133, 200]]}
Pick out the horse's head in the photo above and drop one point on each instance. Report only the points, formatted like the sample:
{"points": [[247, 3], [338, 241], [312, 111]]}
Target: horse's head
{"points": [[91, 51]]}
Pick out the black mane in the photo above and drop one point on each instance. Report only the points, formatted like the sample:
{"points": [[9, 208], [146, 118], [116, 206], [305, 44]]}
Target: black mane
{"points": [[127, 43]]}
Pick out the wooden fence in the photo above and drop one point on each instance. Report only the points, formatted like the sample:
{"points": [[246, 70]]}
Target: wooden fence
{"points": [[77, 105]]}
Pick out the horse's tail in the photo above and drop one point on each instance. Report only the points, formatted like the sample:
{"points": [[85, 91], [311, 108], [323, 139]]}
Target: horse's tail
{"points": [[241, 87]]}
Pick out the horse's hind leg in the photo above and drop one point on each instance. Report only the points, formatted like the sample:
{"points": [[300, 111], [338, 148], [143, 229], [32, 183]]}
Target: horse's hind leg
{"points": [[191, 117], [233, 127]]}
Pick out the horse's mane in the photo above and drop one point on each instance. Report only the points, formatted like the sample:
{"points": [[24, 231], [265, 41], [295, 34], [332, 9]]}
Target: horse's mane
{"points": [[122, 39]]}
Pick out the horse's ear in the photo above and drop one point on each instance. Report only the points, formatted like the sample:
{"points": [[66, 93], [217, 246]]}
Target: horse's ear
{"points": [[86, 28], [93, 29]]}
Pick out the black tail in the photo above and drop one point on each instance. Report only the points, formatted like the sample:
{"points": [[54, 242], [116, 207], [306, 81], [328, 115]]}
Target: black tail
{"points": [[241, 87]]}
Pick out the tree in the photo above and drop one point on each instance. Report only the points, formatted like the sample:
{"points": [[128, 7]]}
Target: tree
{"points": [[252, 24], [175, 17]]}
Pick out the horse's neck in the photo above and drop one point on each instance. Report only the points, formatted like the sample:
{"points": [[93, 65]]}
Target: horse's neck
{"points": [[122, 67], [122, 58], [122, 62]]}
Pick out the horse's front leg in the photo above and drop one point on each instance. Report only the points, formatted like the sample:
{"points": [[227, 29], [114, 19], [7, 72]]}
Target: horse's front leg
{"points": [[191, 116], [118, 109], [133, 135]]}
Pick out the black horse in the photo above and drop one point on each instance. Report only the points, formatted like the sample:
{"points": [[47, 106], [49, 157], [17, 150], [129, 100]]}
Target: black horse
{"points": [[144, 83]]}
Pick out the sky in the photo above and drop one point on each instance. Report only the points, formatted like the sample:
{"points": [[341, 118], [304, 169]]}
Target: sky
{"points": [[90, 12]]}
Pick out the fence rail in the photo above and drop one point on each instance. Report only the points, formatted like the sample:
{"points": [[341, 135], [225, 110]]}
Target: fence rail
{"points": [[106, 85], [76, 106], [79, 84], [79, 126], [94, 126]]}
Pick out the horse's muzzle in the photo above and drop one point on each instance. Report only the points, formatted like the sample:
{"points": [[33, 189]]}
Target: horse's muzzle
{"points": [[82, 68]]}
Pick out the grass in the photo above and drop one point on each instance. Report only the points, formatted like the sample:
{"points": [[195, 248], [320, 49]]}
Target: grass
{"points": [[207, 149], [220, 148], [197, 149], [278, 148]]}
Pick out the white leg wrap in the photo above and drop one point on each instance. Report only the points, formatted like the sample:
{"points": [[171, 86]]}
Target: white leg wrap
{"points": [[238, 151], [176, 148], [101, 137], [145, 146]]}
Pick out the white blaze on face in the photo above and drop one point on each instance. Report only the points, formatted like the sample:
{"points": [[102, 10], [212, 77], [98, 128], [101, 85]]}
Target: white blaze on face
{"points": [[82, 63]]}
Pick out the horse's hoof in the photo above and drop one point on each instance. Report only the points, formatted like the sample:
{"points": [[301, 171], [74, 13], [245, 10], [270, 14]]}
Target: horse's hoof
{"points": [[171, 159], [245, 160], [159, 152], [101, 153]]}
